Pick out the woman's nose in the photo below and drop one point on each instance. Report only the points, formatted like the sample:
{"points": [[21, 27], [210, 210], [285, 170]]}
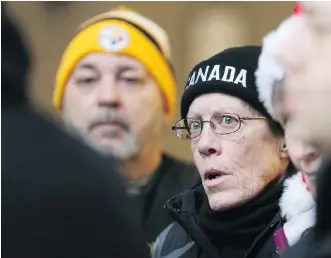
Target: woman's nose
{"points": [[308, 153], [208, 144], [310, 159]]}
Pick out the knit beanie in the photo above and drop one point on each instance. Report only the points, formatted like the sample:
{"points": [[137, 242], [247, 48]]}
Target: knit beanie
{"points": [[123, 32], [229, 72], [270, 70]]}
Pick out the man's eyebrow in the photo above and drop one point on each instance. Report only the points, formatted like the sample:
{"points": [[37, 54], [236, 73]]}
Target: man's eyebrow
{"points": [[87, 66], [125, 68]]}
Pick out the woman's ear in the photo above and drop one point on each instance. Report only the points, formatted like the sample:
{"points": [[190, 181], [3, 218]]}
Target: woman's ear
{"points": [[283, 149]]}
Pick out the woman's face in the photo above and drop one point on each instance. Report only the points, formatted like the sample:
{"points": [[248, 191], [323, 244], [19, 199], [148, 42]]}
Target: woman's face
{"points": [[304, 156], [234, 167]]}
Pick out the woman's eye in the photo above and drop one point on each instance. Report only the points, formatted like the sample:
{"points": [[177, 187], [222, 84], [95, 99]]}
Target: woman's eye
{"points": [[285, 120], [195, 126], [227, 120]]}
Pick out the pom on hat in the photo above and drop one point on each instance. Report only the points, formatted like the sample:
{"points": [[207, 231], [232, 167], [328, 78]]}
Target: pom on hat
{"points": [[297, 8], [270, 70]]}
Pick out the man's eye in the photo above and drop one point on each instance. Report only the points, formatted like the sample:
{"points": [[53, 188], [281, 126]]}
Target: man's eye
{"points": [[131, 80], [86, 80]]}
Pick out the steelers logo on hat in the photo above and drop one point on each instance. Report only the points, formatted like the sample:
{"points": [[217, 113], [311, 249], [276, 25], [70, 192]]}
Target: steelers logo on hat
{"points": [[113, 38]]}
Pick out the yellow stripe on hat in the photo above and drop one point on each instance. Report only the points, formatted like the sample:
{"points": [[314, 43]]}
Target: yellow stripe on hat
{"points": [[128, 40]]}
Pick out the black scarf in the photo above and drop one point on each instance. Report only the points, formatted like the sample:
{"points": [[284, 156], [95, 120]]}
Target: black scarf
{"points": [[233, 231]]}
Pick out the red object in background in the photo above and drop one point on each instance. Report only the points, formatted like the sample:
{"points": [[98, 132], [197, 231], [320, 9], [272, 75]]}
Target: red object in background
{"points": [[297, 8]]}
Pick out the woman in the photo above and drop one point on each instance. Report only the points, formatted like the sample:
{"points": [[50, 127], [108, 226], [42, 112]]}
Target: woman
{"points": [[299, 52], [242, 160], [297, 203]]}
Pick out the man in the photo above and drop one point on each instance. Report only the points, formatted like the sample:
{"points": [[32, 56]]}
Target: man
{"points": [[295, 69], [115, 88], [55, 200]]}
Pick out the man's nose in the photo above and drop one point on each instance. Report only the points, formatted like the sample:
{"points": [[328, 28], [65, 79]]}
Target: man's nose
{"points": [[207, 146], [109, 93]]}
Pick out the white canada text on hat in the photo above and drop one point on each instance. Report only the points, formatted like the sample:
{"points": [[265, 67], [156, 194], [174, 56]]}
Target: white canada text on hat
{"points": [[230, 74]]}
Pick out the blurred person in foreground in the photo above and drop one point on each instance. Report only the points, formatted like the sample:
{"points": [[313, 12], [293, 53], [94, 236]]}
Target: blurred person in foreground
{"points": [[296, 61], [240, 154], [297, 203], [59, 198], [115, 88]]}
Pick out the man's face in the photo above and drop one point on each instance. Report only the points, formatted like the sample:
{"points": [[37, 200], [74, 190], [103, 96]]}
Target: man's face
{"points": [[247, 159], [113, 104]]}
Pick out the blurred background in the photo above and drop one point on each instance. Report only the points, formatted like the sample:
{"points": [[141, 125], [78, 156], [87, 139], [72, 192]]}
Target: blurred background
{"points": [[196, 30]]}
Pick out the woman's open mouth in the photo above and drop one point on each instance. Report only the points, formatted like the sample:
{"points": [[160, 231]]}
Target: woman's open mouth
{"points": [[214, 177]]}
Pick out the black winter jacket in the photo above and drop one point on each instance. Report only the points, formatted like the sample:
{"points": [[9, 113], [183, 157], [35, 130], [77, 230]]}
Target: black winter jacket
{"points": [[185, 239]]}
